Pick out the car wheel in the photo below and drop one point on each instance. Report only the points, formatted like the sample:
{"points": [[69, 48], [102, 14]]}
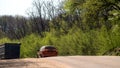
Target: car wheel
{"points": [[41, 56]]}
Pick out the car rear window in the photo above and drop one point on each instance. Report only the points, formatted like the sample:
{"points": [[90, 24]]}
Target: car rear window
{"points": [[50, 47]]}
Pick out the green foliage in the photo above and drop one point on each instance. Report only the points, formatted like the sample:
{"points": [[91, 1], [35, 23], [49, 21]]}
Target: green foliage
{"points": [[94, 13], [73, 5], [76, 42], [4, 40], [30, 45], [115, 36]]}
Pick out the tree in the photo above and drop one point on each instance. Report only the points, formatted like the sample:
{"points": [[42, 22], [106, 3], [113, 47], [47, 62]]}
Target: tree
{"points": [[14, 27], [94, 13]]}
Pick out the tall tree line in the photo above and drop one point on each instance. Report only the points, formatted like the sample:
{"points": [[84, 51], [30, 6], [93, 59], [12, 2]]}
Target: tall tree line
{"points": [[46, 16]]}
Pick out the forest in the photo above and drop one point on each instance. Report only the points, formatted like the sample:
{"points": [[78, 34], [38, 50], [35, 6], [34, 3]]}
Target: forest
{"points": [[75, 27]]}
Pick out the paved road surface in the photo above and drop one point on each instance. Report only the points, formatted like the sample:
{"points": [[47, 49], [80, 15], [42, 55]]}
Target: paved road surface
{"points": [[64, 62]]}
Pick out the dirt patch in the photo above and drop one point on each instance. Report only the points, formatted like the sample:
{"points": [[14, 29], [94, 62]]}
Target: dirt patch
{"points": [[30, 63]]}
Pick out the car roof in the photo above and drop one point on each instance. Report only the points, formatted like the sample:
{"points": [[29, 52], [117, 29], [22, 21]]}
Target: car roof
{"points": [[43, 47]]}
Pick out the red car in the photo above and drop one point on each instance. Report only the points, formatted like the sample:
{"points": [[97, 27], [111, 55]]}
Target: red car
{"points": [[47, 51]]}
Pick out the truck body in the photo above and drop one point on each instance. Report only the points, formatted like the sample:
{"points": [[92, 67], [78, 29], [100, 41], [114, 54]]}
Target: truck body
{"points": [[10, 51]]}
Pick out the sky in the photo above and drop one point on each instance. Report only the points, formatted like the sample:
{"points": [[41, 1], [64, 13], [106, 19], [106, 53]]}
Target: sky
{"points": [[15, 7]]}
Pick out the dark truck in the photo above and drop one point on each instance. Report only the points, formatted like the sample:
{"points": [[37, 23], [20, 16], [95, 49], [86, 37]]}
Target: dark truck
{"points": [[10, 50]]}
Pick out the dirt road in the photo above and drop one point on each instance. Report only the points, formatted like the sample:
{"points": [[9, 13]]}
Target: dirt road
{"points": [[64, 62]]}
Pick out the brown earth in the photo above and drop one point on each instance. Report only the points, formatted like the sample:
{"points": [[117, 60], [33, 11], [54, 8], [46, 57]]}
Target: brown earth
{"points": [[63, 62]]}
